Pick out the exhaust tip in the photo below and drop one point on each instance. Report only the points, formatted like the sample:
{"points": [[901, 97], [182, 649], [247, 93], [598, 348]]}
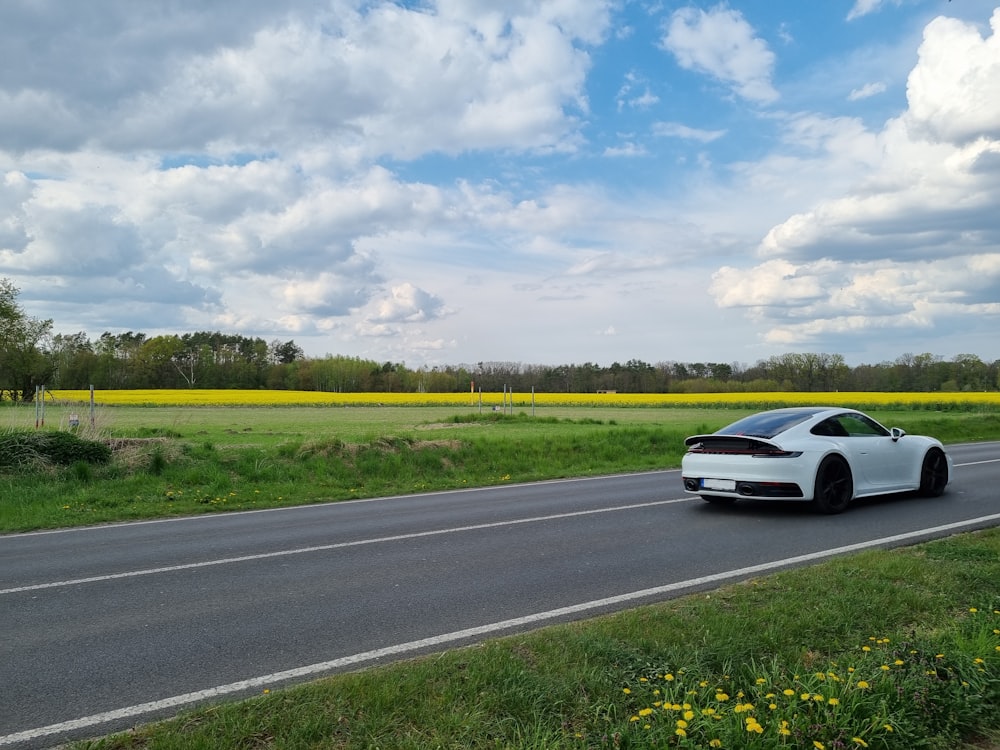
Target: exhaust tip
{"points": [[746, 489], [691, 485]]}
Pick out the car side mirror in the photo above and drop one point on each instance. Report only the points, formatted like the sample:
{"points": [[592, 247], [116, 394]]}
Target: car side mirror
{"points": [[896, 433]]}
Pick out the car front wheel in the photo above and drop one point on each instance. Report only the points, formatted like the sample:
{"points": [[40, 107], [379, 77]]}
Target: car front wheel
{"points": [[834, 485], [933, 474]]}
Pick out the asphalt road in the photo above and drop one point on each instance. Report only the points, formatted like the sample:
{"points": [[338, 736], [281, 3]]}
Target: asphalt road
{"points": [[106, 627]]}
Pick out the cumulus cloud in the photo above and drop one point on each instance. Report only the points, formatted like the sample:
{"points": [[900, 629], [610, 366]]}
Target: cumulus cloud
{"points": [[913, 242], [721, 43]]}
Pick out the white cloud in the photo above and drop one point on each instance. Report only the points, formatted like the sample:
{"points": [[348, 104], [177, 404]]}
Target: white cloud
{"points": [[408, 304], [913, 242], [722, 44], [952, 91], [867, 91], [677, 130]]}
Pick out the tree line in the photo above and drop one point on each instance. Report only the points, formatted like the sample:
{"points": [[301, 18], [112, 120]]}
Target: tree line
{"points": [[31, 355]]}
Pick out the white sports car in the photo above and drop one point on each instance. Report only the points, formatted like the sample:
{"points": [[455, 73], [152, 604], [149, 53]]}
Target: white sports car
{"points": [[822, 454]]}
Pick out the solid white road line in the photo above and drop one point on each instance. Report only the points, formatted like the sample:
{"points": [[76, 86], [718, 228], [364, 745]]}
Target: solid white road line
{"points": [[337, 545], [461, 635]]}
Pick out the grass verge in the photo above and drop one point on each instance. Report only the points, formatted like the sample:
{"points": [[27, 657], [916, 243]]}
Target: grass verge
{"points": [[884, 649], [215, 460]]}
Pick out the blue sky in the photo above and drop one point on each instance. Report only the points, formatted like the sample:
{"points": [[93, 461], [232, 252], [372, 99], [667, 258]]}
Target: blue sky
{"points": [[547, 183]]}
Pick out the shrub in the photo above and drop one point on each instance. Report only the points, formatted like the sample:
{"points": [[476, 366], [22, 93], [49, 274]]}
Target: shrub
{"points": [[22, 448]]}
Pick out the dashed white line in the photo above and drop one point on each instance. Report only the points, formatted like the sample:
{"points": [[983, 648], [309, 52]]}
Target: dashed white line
{"points": [[327, 547]]}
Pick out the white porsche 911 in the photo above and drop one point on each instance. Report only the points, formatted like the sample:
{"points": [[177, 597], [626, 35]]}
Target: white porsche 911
{"points": [[822, 454]]}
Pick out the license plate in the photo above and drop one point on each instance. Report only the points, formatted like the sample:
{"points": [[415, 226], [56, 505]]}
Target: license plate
{"points": [[726, 485]]}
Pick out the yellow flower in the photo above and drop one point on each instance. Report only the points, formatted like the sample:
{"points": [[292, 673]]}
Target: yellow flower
{"points": [[645, 712], [681, 724], [863, 685], [789, 692], [680, 732], [715, 743], [834, 702], [888, 727], [819, 745], [689, 714], [973, 609], [859, 741], [721, 697], [668, 677]]}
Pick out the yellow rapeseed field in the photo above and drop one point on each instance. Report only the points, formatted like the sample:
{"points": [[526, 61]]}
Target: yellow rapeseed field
{"points": [[207, 397]]}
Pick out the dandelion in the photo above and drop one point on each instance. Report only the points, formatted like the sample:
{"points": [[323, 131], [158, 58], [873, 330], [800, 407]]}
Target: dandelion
{"points": [[858, 741], [681, 724], [819, 745], [681, 732], [888, 728], [715, 743], [788, 691], [834, 701], [863, 685]]}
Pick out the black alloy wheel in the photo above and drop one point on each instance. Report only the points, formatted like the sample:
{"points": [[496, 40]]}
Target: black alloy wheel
{"points": [[933, 474], [834, 486]]}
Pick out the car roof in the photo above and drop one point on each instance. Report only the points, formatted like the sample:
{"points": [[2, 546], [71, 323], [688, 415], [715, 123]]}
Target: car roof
{"points": [[767, 424]]}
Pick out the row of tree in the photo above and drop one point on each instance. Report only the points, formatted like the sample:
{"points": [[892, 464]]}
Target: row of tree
{"points": [[31, 355]]}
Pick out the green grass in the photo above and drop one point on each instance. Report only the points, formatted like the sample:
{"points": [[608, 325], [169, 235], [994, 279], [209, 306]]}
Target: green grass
{"points": [[882, 646], [178, 461]]}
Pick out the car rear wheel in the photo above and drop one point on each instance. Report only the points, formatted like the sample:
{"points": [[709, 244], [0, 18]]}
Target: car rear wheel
{"points": [[834, 485], [933, 474]]}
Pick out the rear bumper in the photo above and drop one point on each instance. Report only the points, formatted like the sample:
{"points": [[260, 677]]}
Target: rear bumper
{"points": [[697, 486]]}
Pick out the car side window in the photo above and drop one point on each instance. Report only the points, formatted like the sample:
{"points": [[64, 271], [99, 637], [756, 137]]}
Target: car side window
{"points": [[829, 428], [858, 425]]}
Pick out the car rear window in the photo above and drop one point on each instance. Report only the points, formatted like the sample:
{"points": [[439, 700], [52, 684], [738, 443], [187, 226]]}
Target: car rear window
{"points": [[768, 424]]}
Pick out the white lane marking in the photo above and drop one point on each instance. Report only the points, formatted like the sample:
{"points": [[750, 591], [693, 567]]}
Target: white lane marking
{"points": [[977, 463], [321, 504], [460, 635], [336, 545]]}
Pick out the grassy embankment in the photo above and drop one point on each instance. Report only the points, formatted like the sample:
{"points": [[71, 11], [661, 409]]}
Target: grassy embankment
{"points": [[895, 649]]}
